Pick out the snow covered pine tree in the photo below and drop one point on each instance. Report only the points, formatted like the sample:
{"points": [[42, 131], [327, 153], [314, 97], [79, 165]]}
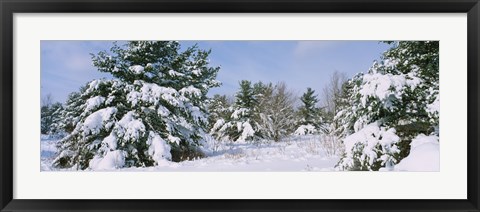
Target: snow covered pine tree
{"points": [[50, 116], [310, 119], [396, 102], [151, 111], [240, 126], [218, 107], [261, 111]]}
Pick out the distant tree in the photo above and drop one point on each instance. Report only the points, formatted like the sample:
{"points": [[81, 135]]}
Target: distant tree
{"points": [[218, 108], [47, 100], [261, 111], [264, 93], [73, 109], [56, 110], [240, 126], [332, 93], [310, 118], [309, 110], [245, 97], [276, 116], [50, 115]]}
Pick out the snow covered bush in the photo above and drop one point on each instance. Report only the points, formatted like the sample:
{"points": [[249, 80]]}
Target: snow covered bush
{"points": [[260, 112], [370, 148], [275, 113], [399, 92], [306, 130], [153, 110]]}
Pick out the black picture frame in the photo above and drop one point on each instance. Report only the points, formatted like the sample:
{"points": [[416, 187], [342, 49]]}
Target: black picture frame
{"points": [[9, 7]]}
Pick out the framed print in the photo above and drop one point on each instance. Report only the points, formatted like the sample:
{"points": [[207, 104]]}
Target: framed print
{"points": [[256, 106]]}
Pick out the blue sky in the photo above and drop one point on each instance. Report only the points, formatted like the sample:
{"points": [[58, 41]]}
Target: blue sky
{"points": [[66, 65]]}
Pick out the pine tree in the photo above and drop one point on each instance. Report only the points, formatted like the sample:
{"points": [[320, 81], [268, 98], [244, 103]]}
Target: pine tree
{"points": [[309, 110], [56, 111], [45, 119], [310, 119], [245, 97], [347, 115], [399, 95], [153, 110], [261, 111], [71, 113], [218, 109], [242, 115], [50, 117], [240, 126]]}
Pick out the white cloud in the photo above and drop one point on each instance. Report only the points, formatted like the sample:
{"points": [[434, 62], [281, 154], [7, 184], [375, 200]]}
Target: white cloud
{"points": [[304, 47]]}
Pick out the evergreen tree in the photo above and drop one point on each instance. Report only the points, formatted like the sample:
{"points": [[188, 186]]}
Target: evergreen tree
{"points": [[50, 116], [56, 111], [45, 119], [72, 111], [261, 111], [310, 119], [242, 115], [346, 116], [153, 110], [240, 126], [245, 97], [399, 95], [220, 111], [218, 108], [309, 111]]}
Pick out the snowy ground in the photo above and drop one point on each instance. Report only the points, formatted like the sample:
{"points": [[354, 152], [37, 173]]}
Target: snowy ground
{"points": [[47, 151], [301, 153]]}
